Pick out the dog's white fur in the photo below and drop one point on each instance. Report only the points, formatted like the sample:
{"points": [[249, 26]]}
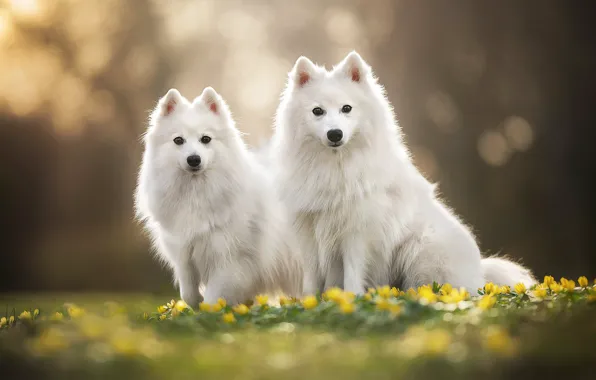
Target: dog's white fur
{"points": [[364, 214], [221, 226]]}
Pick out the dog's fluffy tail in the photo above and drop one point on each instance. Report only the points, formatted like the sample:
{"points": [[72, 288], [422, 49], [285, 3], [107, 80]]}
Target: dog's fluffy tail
{"points": [[501, 271]]}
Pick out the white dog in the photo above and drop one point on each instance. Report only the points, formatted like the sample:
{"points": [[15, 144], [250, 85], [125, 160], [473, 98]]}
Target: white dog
{"points": [[210, 208], [364, 214]]}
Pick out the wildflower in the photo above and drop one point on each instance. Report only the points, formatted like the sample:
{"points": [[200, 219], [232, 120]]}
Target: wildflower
{"points": [[222, 302], [556, 287], [437, 341], [505, 289], [498, 340], [446, 289], [487, 301], [228, 318], [382, 304], [56, 317], [283, 300], [35, 313], [309, 302], [520, 288], [373, 290], [162, 309], [582, 281], [384, 291], [262, 299], [540, 292], [412, 293], [427, 295], [204, 306], [490, 288], [395, 309], [123, 342], [368, 297], [170, 304], [75, 311], [11, 320], [334, 294], [568, 284], [162, 317], [215, 308], [241, 309], [25, 315], [394, 291], [3, 321], [347, 307], [181, 305], [548, 280]]}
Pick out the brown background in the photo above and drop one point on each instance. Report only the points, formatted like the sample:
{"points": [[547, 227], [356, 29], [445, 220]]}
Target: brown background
{"points": [[495, 98]]}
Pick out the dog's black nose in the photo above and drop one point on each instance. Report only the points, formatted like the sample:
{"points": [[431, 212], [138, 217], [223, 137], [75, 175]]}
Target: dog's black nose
{"points": [[193, 161], [335, 135]]}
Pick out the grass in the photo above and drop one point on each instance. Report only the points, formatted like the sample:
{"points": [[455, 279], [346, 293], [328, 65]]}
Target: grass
{"points": [[432, 332]]}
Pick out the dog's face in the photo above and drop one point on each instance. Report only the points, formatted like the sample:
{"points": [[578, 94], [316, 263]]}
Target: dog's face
{"points": [[192, 137], [334, 106]]}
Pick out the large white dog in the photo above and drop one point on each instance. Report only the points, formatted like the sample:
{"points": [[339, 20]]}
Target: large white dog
{"points": [[209, 206], [363, 213]]}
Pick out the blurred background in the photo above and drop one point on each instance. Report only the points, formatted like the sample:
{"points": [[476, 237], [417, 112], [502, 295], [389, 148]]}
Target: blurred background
{"points": [[495, 98]]}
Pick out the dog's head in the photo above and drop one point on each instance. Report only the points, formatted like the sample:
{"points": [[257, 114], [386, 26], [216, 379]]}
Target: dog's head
{"points": [[193, 137], [334, 106]]}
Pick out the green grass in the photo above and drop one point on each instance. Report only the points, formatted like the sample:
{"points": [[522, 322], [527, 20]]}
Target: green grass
{"points": [[430, 333]]}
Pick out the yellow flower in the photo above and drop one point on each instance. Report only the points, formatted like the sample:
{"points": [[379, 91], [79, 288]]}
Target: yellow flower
{"points": [[222, 302], [487, 301], [394, 291], [51, 340], [568, 284], [371, 290], [334, 294], [411, 293], [241, 309], [395, 309], [427, 295], [171, 304], [520, 288], [437, 341], [309, 302], [382, 304], [556, 287], [490, 288], [540, 292], [498, 340], [505, 289], [262, 299], [25, 315], [368, 296], [347, 307], [384, 291], [582, 281], [75, 311], [3, 321], [35, 313], [162, 317], [455, 296], [162, 309], [11, 320], [548, 280], [228, 318], [446, 289], [56, 317], [180, 305], [216, 307], [204, 306], [283, 300]]}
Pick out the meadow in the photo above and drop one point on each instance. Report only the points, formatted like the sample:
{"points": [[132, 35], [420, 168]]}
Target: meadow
{"points": [[435, 331]]}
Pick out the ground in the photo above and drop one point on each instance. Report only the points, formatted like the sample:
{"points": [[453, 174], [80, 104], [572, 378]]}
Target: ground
{"points": [[433, 332]]}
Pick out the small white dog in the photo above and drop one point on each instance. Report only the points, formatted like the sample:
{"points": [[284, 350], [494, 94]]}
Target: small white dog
{"points": [[209, 206], [363, 213]]}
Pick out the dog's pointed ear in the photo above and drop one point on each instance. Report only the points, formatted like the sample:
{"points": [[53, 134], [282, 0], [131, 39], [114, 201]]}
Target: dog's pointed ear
{"points": [[212, 100], [303, 72], [169, 102], [354, 67]]}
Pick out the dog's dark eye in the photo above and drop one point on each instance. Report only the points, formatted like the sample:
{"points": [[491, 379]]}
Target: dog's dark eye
{"points": [[318, 111], [346, 109], [178, 141], [205, 139]]}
